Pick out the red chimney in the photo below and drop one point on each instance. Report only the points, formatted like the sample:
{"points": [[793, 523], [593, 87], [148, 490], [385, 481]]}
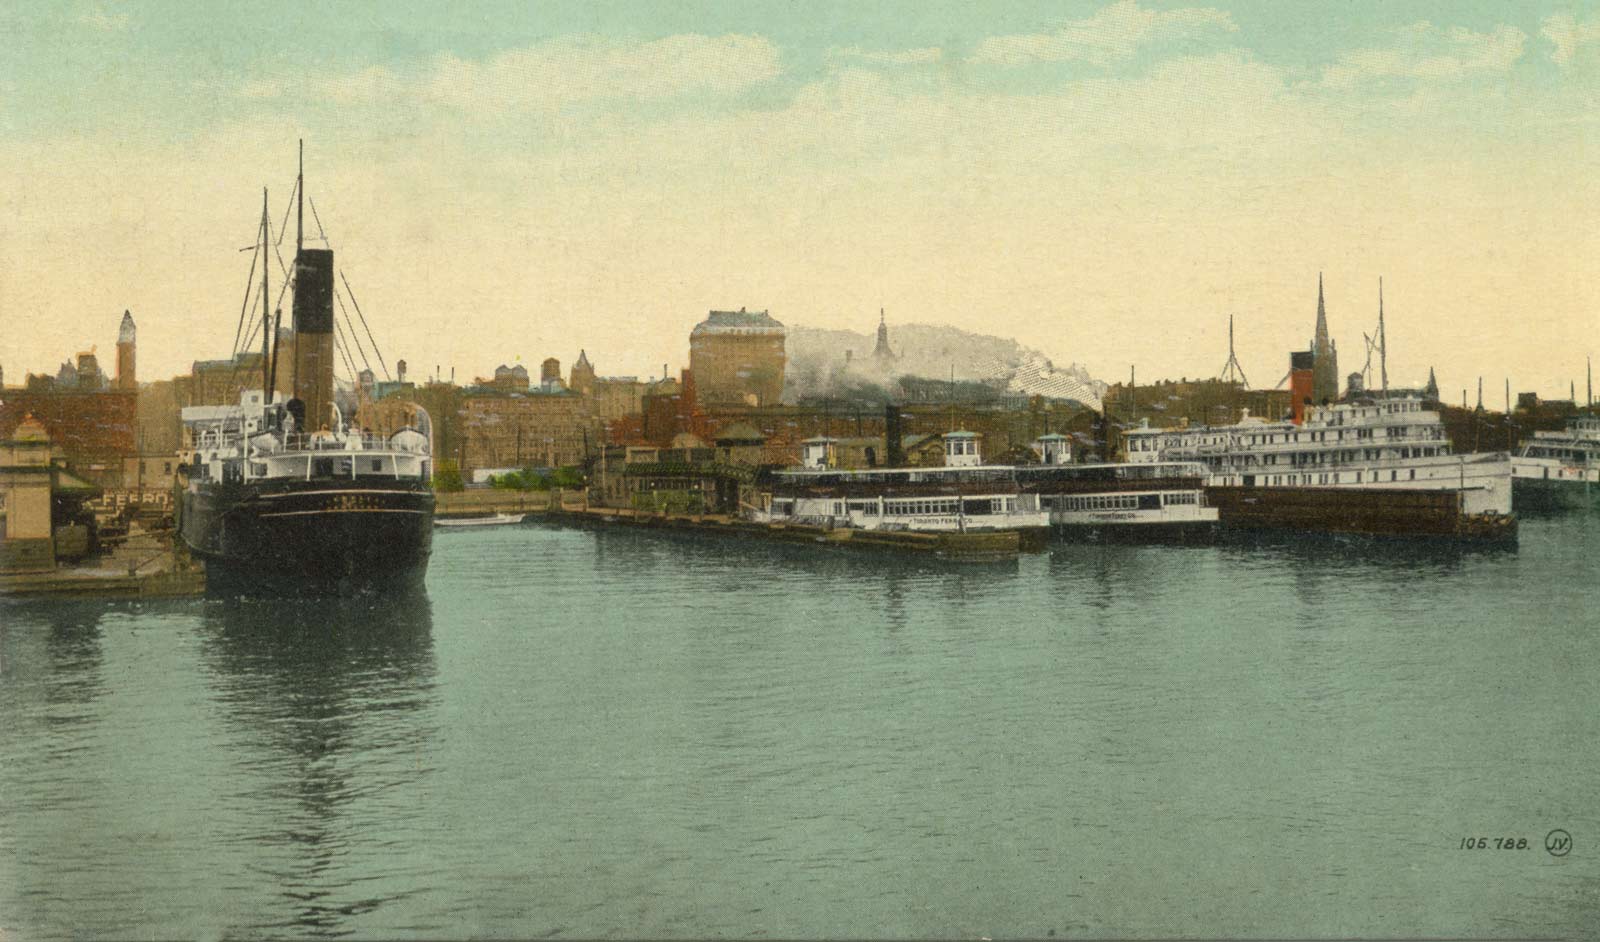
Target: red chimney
{"points": [[1301, 382]]}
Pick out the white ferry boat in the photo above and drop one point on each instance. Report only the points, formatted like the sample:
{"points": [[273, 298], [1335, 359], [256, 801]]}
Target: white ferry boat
{"points": [[1557, 470], [1098, 501], [1152, 500], [963, 495], [1368, 444]]}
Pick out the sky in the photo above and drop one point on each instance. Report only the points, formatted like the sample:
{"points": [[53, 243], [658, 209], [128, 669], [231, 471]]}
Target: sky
{"points": [[1106, 182]]}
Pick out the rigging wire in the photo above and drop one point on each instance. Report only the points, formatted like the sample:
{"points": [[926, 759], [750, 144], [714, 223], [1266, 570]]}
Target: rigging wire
{"points": [[249, 292], [233, 375], [263, 235], [357, 337], [375, 350], [323, 235], [283, 227], [344, 348]]}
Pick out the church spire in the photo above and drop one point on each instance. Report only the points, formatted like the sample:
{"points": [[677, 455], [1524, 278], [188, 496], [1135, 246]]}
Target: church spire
{"points": [[1325, 357], [1321, 342], [882, 351]]}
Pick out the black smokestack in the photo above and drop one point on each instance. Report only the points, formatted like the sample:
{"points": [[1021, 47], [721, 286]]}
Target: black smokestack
{"points": [[313, 292], [892, 436]]}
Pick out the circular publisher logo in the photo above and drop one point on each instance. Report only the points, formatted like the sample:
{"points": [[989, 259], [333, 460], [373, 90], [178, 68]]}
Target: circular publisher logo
{"points": [[1558, 843]]}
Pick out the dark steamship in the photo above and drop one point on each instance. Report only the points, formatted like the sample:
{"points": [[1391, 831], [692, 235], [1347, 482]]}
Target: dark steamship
{"points": [[294, 497]]}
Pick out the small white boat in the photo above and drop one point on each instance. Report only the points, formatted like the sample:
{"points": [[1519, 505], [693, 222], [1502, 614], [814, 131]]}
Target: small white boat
{"points": [[497, 520]]}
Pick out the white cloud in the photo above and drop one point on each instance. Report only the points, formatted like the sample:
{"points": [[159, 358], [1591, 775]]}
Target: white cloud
{"points": [[98, 18], [1113, 34], [922, 56], [1568, 34], [560, 72], [1424, 51]]}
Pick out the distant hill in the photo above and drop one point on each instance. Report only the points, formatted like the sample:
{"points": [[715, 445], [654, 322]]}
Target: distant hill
{"points": [[821, 361]]}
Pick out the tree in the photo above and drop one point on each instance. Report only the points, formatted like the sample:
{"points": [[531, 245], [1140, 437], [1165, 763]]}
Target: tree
{"points": [[447, 476]]}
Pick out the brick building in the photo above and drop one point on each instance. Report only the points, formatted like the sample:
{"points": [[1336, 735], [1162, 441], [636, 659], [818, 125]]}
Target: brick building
{"points": [[93, 430], [782, 428], [737, 358], [536, 428]]}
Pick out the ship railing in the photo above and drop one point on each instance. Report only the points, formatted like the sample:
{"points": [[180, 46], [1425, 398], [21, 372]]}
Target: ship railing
{"points": [[354, 441]]}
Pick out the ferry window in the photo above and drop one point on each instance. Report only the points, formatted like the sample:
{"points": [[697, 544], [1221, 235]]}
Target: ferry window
{"points": [[1413, 474], [377, 464], [322, 467], [1394, 475]]}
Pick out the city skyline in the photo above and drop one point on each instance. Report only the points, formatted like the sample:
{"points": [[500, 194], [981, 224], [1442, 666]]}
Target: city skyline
{"points": [[1107, 183]]}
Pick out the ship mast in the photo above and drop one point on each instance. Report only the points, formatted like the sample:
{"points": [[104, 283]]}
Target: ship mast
{"points": [[266, 302], [1383, 342]]}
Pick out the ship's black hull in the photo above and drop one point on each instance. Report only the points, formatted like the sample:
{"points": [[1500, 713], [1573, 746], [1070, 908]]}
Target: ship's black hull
{"points": [[309, 538], [1534, 494]]}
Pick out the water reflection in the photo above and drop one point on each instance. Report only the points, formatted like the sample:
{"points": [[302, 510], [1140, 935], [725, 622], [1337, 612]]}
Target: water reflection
{"points": [[1359, 556], [1114, 575], [332, 708]]}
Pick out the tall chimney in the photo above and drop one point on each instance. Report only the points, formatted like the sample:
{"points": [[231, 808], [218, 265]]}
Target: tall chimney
{"points": [[1302, 382], [313, 335], [127, 345], [895, 456]]}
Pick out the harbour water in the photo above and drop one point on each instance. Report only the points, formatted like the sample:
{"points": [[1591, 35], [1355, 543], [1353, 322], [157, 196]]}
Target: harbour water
{"points": [[604, 734]]}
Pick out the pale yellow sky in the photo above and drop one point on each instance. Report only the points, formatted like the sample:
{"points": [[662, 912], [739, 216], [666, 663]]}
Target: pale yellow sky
{"points": [[604, 193]]}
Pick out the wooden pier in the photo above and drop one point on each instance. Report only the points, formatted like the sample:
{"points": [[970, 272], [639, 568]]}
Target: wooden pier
{"points": [[147, 565]]}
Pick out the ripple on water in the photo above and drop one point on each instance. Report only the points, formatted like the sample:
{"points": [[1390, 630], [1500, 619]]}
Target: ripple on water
{"points": [[602, 733]]}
